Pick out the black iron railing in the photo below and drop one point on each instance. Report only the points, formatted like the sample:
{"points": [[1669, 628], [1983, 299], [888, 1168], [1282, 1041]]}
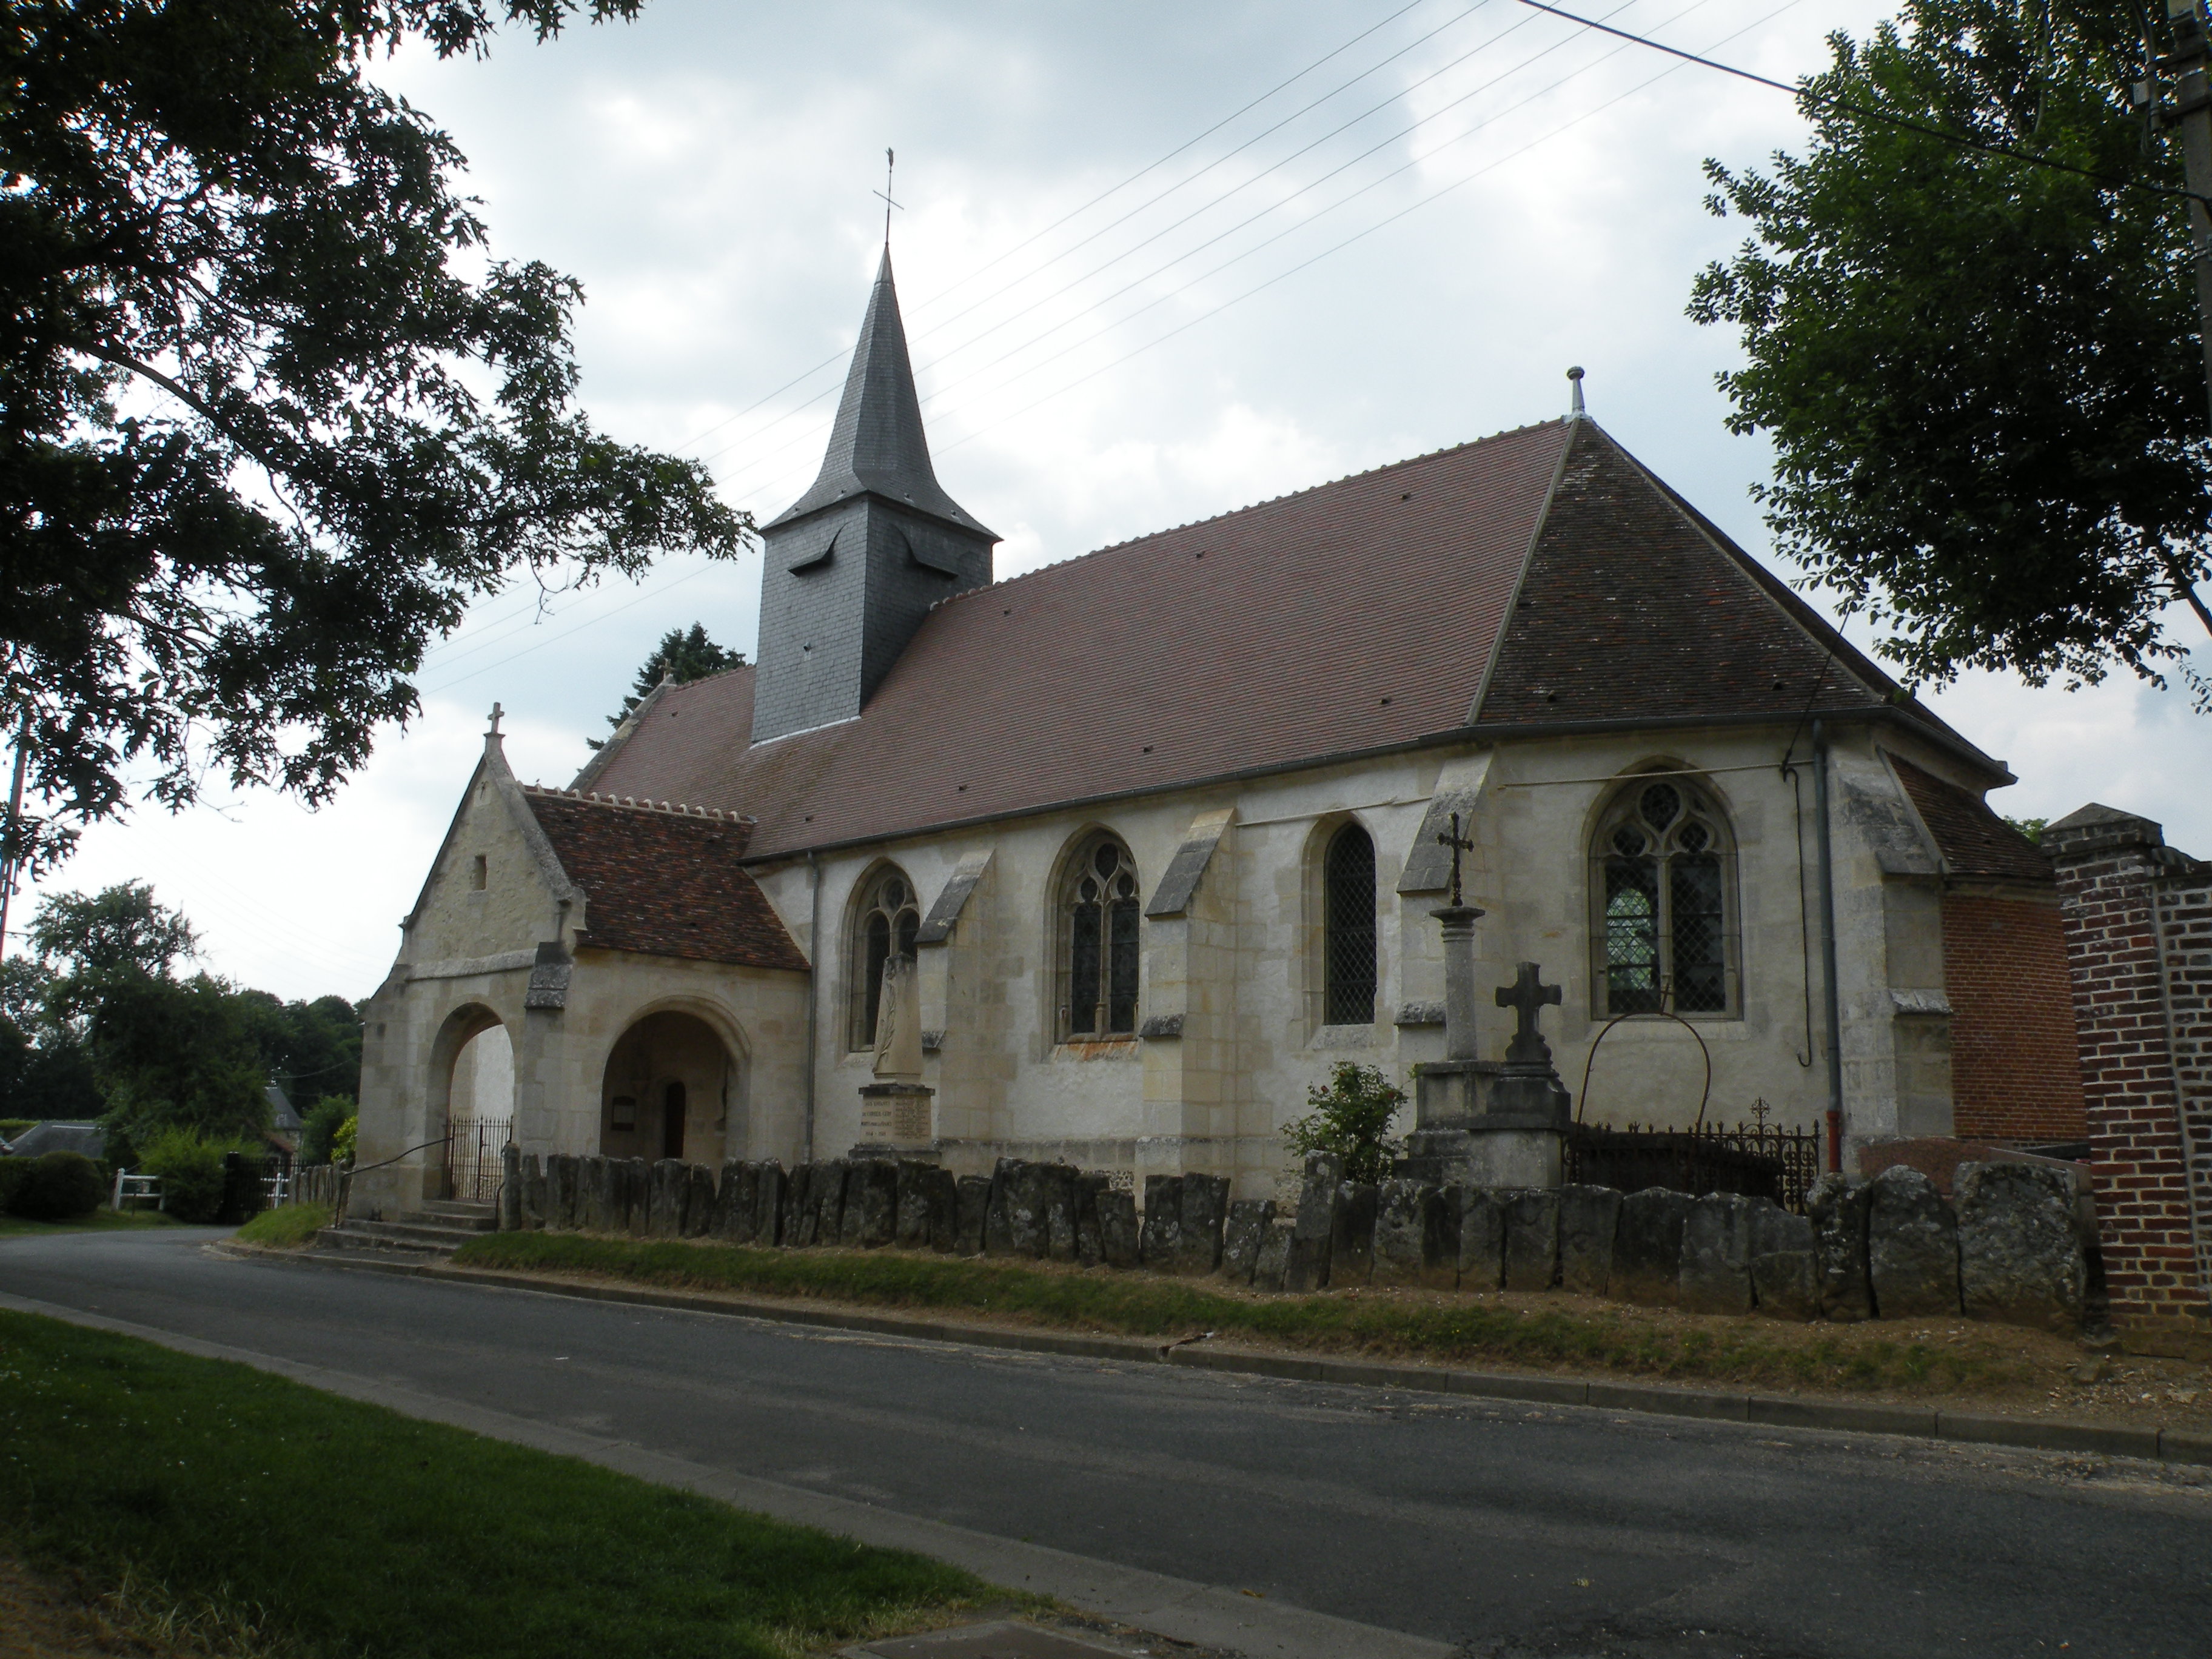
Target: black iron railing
{"points": [[1758, 1159], [473, 1149]]}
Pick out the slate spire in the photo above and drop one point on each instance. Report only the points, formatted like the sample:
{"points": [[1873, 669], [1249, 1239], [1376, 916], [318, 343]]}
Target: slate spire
{"points": [[877, 444], [853, 568]]}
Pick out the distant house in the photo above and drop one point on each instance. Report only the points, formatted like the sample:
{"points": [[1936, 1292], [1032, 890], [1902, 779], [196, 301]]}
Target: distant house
{"points": [[56, 1135], [285, 1126]]}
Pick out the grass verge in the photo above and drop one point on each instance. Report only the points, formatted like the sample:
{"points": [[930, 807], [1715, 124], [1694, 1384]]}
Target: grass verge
{"points": [[250, 1514], [1439, 1329], [101, 1220], [291, 1228]]}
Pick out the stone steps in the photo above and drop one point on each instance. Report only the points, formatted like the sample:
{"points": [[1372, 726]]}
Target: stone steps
{"points": [[417, 1234]]}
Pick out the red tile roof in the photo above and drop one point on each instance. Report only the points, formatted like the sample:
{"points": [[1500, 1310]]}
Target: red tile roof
{"points": [[663, 883], [1357, 616], [1973, 840]]}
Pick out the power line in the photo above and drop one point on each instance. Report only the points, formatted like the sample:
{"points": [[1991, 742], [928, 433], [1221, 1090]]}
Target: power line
{"points": [[1829, 100]]}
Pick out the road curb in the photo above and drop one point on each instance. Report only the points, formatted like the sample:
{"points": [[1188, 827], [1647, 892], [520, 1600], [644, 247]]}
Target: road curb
{"points": [[1779, 1411]]}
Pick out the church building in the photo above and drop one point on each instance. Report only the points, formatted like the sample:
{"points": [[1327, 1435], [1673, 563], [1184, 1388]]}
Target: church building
{"points": [[1110, 862]]}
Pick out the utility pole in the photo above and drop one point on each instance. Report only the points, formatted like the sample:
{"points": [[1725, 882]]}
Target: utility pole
{"points": [[10, 857], [2191, 110]]}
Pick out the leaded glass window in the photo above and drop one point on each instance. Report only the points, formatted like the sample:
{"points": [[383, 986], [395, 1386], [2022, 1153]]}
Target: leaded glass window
{"points": [[1098, 912], [1348, 929], [888, 921], [1663, 875]]}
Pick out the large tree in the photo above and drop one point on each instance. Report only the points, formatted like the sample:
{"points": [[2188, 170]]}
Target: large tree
{"points": [[1980, 374], [270, 417], [681, 658]]}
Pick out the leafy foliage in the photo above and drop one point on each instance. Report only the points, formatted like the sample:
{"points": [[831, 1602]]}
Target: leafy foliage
{"points": [[680, 657], [1980, 376], [190, 1166], [59, 1187], [320, 1127], [1351, 1117], [261, 441], [2031, 828]]}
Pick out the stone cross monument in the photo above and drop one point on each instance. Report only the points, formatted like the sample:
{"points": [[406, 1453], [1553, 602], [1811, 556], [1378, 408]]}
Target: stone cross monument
{"points": [[1481, 1122]]}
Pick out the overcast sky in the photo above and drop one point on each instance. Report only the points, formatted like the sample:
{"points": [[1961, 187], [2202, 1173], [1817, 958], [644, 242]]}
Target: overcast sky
{"points": [[1157, 262]]}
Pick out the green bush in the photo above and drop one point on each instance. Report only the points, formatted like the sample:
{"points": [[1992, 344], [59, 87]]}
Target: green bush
{"points": [[325, 1118], [1352, 1118], [342, 1143], [191, 1169], [13, 1172], [59, 1186]]}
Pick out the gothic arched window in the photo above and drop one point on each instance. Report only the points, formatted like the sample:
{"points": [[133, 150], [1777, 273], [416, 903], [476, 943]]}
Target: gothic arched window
{"points": [[1347, 877], [1099, 950], [885, 925], [1663, 875]]}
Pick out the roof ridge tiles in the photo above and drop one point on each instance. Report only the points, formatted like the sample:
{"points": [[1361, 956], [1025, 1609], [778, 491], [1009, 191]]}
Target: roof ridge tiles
{"points": [[1003, 583], [631, 803]]}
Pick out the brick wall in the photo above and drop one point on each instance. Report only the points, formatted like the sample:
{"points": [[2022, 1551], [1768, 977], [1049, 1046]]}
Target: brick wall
{"points": [[2016, 1072], [2138, 920]]}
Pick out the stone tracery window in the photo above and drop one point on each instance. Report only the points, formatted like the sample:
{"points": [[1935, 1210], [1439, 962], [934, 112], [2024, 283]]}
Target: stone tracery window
{"points": [[888, 918], [1098, 954], [1348, 976], [1662, 877]]}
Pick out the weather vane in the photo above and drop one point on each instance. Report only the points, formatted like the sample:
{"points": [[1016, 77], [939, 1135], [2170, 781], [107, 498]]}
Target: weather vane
{"points": [[889, 162]]}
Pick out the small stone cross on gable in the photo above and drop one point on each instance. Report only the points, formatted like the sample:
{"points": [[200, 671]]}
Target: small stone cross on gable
{"points": [[1458, 844], [1525, 996]]}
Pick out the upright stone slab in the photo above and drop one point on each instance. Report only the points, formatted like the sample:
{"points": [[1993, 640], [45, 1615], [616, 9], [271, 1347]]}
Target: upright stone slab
{"points": [[1647, 1247], [560, 1194], [1715, 1270], [1163, 1222], [1203, 1214], [830, 1201], [1248, 1218], [851, 1222], [510, 1188], [637, 1197], [998, 1219], [2021, 1260], [671, 1184], [1785, 1270], [1479, 1215], [1589, 1220], [973, 1193], [912, 1232], [533, 1193], [1314, 1227], [769, 1183], [1026, 1222], [592, 1194], [941, 1192], [733, 1203], [1117, 1229], [1352, 1242], [698, 1200], [1090, 1242], [1407, 1236], [1837, 1207], [802, 1211], [1532, 1240], [1271, 1268], [874, 1183], [1060, 1212], [1912, 1247]]}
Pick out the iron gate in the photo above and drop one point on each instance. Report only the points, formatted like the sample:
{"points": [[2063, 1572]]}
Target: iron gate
{"points": [[474, 1147]]}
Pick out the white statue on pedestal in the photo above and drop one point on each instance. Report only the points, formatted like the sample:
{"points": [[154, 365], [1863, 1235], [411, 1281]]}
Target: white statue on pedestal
{"points": [[898, 1022]]}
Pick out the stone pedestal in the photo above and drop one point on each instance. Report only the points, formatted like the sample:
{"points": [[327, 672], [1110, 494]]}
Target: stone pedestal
{"points": [[898, 1120], [1481, 1123]]}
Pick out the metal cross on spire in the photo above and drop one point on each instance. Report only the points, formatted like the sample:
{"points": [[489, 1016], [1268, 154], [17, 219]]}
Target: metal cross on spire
{"points": [[1457, 845], [890, 162]]}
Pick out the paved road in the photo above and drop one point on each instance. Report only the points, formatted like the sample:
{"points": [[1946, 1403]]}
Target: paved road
{"points": [[1509, 1530]]}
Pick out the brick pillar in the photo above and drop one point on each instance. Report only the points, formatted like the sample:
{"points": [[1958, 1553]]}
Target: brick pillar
{"points": [[2138, 918]]}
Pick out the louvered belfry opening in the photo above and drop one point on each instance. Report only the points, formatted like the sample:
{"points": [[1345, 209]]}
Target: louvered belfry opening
{"points": [[1348, 930], [1661, 858], [1100, 907]]}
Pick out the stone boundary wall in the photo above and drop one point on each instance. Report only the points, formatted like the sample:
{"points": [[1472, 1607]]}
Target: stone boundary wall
{"points": [[2011, 1248], [2138, 918]]}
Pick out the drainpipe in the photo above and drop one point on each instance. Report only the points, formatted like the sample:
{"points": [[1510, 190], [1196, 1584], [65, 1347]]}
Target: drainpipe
{"points": [[1828, 950], [813, 992]]}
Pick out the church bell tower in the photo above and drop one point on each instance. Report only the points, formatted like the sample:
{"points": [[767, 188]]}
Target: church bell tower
{"points": [[853, 565]]}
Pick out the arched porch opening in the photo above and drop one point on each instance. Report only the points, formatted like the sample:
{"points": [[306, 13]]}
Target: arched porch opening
{"points": [[674, 1087], [469, 1093]]}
